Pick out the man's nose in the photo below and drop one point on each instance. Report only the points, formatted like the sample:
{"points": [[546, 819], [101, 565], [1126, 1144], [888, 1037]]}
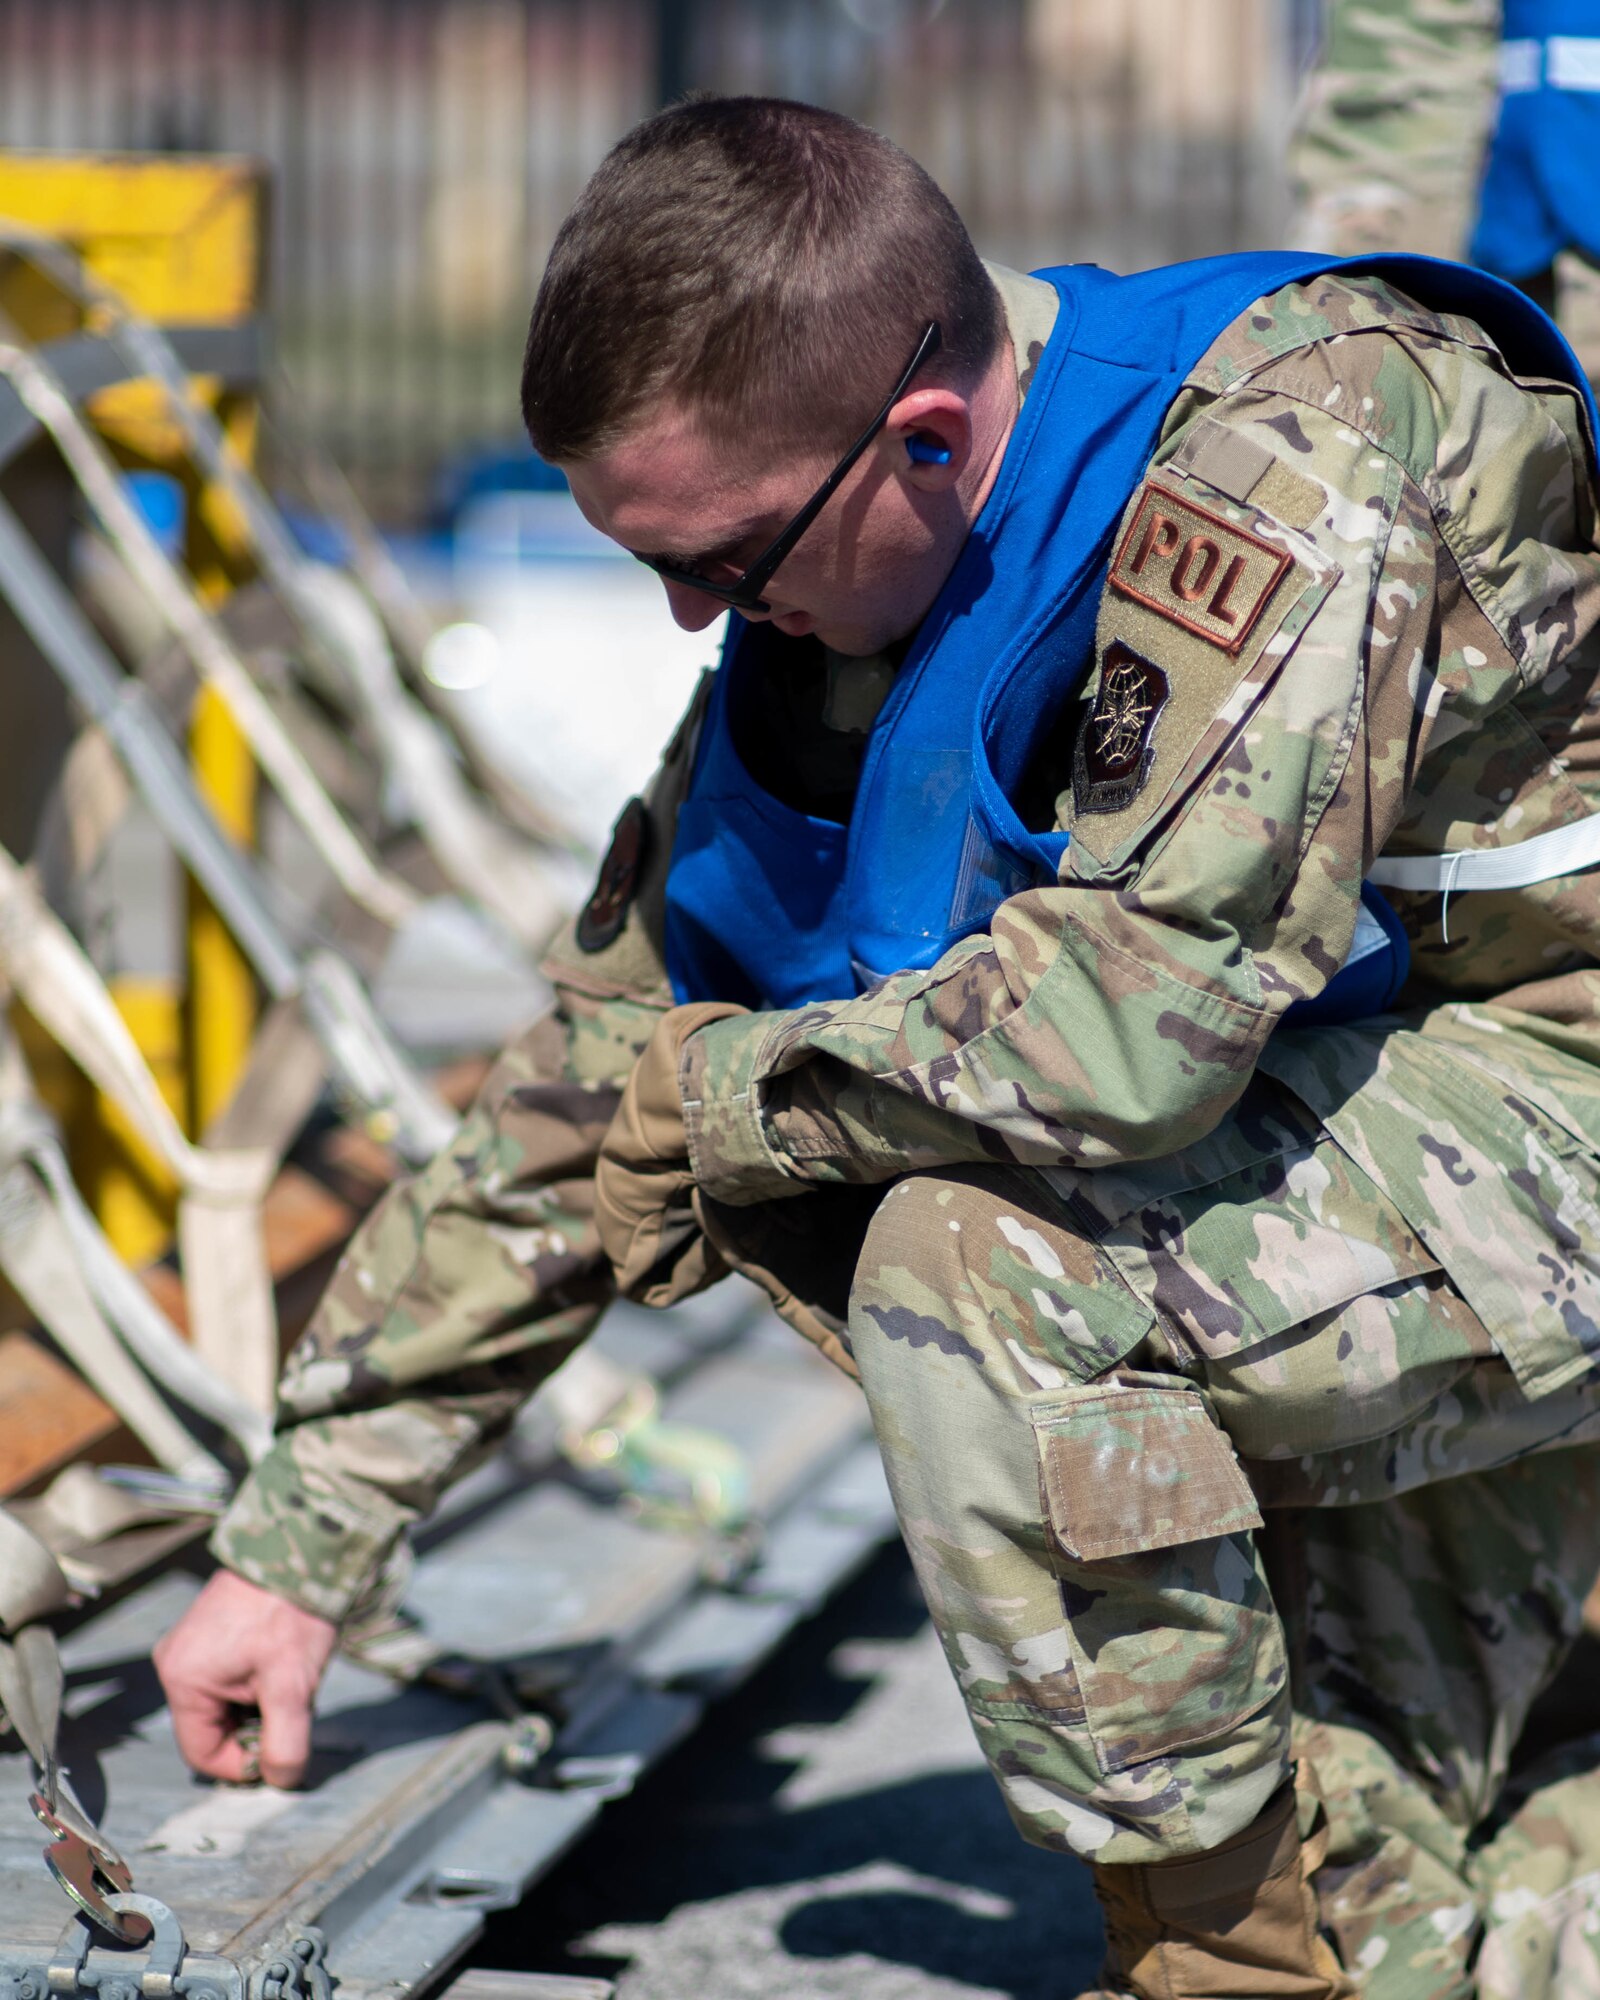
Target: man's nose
{"points": [[692, 610]]}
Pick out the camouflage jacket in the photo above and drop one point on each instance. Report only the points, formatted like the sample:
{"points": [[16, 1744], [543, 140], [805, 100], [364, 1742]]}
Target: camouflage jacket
{"points": [[1418, 678]]}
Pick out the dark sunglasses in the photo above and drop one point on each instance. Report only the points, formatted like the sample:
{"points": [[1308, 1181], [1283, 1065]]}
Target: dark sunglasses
{"points": [[744, 593]]}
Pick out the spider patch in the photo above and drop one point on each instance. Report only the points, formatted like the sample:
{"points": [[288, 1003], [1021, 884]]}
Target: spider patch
{"points": [[603, 916], [1115, 744]]}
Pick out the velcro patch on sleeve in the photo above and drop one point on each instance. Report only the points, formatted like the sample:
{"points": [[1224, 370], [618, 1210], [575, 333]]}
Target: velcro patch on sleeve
{"points": [[1115, 743], [1206, 574], [601, 919], [1165, 694]]}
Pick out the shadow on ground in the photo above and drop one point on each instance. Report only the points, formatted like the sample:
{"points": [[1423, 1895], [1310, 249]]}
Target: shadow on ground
{"points": [[728, 1875]]}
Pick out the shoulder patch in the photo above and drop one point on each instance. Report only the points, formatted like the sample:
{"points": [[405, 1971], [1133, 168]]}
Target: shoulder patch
{"points": [[1116, 741], [603, 916], [1206, 574], [1166, 695]]}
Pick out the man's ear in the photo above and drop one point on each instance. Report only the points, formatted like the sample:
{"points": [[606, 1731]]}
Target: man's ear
{"points": [[927, 441]]}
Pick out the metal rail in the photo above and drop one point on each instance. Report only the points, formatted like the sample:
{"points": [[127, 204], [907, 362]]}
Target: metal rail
{"points": [[603, 1637]]}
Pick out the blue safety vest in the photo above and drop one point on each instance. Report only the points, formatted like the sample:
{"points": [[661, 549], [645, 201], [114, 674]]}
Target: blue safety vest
{"points": [[1541, 184], [775, 908]]}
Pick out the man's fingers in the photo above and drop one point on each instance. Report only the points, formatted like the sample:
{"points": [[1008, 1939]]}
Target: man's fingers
{"points": [[237, 1761], [285, 1732], [207, 1732], [239, 1647], [219, 1742]]}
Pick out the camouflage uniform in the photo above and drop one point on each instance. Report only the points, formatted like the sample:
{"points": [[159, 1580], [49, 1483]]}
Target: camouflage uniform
{"points": [[1389, 145], [1389, 141], [1149, 1301]]}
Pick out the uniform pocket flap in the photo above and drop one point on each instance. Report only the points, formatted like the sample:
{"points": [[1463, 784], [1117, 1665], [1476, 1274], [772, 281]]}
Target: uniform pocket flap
{"points": [[1125, 1471]]}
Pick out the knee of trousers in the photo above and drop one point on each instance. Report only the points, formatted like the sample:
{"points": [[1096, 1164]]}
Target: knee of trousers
{"points": [[913, 1286], [1084, 1545], [938, 1336], [984, 1268]]}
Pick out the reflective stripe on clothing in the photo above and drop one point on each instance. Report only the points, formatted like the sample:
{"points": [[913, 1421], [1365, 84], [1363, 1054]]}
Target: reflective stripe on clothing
{"points": [[1572, 62], [1565, 62], [1520, 66]]}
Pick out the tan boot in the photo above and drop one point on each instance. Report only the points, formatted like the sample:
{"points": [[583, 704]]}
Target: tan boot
{"points": [[1239, 1923]]}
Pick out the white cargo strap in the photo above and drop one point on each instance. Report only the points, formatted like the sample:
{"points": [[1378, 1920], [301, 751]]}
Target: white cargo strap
{"points": [[93, 797], [325, 1019], [336, 1007], [382, 578], [31, 1680], [32, 1683], [479, 858], [32, 1583], [32, 1586], [227, 1287], [1566, 850], [218, 1239], [402, 1108], [41, 1260], [280, 1086], [84, 1509], [226, 1276], [202, 638], [76, 1285], [139, 1322], [49, 969]]}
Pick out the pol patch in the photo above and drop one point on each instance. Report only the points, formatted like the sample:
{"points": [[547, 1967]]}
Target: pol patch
{"points": [[1114, 749], [1206, 574]]}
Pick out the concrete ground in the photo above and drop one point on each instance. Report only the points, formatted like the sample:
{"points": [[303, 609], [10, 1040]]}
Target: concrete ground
{"points": [[831, 1831]]}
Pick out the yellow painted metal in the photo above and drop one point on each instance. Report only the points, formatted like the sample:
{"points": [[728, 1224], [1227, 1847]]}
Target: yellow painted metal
{"points": [[180, 238], [129, 1187], [222, 992], [131, 1190]]}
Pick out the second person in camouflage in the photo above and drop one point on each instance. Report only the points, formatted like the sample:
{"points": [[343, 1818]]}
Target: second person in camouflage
{"points": [[1460, 128]]}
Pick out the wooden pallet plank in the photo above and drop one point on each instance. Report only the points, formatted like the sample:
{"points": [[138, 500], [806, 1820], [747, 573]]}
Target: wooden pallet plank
{"points": [[48, 1415]]}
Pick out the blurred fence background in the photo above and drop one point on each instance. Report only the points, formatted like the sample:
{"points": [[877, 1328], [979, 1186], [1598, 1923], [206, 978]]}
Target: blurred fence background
{"points": [[424, 151]]}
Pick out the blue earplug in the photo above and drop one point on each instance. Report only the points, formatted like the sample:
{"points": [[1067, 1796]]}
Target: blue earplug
{"points": [[923, 451]]}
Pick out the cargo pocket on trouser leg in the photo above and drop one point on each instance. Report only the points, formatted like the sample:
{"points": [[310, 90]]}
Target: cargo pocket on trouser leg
{"points": [[978, 1306], [1174, 1640]]}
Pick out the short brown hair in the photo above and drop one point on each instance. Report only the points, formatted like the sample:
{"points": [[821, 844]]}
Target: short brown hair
{"points": [[766, 263]]}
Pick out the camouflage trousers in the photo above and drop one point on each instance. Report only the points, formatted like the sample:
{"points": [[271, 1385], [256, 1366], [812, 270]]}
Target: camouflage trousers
{"points": [[1206, 1466], [1570, 292]]}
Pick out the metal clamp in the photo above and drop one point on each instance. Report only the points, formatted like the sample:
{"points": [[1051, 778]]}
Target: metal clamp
{"points": [[164, 1970], [92, 1873]]}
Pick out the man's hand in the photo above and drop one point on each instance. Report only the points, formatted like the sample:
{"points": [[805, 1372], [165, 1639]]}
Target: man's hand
{"points": [[643, 1182], [236, 1650]]}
